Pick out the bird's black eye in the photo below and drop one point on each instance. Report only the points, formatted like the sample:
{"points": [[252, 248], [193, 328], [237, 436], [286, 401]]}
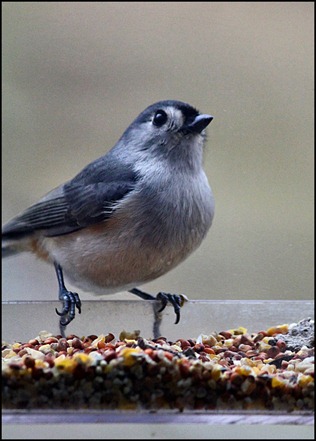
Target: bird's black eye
{"points": [[160, 118]]}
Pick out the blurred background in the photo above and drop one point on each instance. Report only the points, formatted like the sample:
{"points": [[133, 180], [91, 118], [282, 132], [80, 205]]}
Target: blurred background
{"points": [[75, 74]]}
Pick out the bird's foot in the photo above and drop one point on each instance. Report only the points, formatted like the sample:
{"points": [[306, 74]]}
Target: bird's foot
{"points": [[70, 301], [176, 300]]}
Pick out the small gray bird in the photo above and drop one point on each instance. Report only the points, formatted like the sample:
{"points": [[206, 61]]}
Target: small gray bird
{"points": [[128, 217]]}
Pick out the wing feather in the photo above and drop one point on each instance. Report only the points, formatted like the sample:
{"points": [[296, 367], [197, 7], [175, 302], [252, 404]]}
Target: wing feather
{"points": [[79, 205]]}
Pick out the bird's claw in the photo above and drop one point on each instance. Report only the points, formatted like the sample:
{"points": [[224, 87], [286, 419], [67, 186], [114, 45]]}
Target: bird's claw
{"points": [[176, 300], [71, 301]]}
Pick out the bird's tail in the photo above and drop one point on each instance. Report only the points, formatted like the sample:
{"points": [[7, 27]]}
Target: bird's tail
{"points": [[12, 240], [10, 244], [8, 249]]}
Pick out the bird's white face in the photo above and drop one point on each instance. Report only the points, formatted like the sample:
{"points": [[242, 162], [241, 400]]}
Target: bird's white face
{"points": [[167, 119], [163, 128]]}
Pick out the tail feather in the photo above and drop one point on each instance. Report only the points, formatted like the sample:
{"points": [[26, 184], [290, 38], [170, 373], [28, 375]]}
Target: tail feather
{"points": [[8, 250], [12, 241]]}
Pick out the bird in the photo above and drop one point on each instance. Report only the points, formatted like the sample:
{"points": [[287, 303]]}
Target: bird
{"points": [[129, 216]]}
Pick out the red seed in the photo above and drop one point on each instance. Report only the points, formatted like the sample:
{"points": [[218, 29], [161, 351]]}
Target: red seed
{"points": [[273, 351], [87, 341], [226, 334], [252, 353], [33, 342], [237, 341], [259, 336], [243, 347], [49, 358], [109, 355], [50, 340], [184, 367], [101, 344], [246, 340], [149, 352], [203, 357], [184, 343], [62, 345], [77, 343], [229, 354], [22, 352], [209, 350], [29, 362], [199, 347], [281, 345], [109, 337], [236, 379], [26, 345], [72, 336], [168, 355]]}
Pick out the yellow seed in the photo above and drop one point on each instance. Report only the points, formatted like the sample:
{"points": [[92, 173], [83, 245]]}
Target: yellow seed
{"points": [[244, 370], [8, 353], [263, 346], [129, 335], [256, 370], [303, 380], [280, 329], [216, 372], [238, 331], [214, 357], [65, 364], [129, 355], [277, 382], [40, 364], [82, 358]]}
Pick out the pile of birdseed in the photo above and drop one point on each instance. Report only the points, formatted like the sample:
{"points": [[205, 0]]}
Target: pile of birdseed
{"points": [[272, 369]]}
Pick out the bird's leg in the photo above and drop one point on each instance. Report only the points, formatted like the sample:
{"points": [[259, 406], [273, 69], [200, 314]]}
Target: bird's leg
{"points": [[176, 300], [70, 300]]}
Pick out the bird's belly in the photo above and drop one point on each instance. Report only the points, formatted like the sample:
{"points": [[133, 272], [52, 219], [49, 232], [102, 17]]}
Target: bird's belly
{"points": [[128, 250], [107, 264]]}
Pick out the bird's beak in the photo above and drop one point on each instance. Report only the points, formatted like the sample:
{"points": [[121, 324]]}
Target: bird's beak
{"points": [[199, 123]]}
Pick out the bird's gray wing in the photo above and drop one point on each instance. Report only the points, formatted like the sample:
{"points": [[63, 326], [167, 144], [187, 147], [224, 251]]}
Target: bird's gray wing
{"points": [[78, 204]]}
